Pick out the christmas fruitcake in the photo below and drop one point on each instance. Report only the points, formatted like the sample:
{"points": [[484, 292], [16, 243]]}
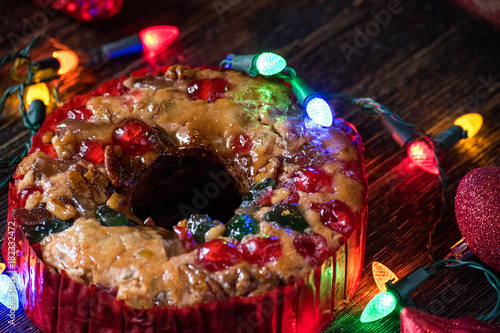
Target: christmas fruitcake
{"points": [[188, 190]]}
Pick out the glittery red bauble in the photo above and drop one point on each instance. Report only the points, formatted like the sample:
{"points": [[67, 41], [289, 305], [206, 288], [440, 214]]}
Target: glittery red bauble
{"points": [[87, 10], [477, 206], [414, 321]]}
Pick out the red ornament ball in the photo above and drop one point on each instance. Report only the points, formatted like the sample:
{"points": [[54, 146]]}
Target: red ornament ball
{"points": [[86, 10], [414, 321], [477, 207]]}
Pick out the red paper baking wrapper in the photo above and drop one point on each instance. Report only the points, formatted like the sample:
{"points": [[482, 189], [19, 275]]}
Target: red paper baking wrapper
{"points": [[488, 10], [56, 303]]}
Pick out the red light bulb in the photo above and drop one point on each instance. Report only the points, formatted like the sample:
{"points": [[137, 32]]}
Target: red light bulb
{"points": [[156, 38], [422, 155]]}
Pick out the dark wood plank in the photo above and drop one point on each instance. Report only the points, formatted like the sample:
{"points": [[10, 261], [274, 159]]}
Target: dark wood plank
{"points": [[426, 64]]}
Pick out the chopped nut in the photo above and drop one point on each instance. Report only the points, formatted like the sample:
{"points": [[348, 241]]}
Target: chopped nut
{"points": [[27, 163], [33, 200], [279, 195], [47, 137], [65, 146], [149, 222], [179, 72], [96, 176], [214, 232], [116, 201], [244, 282], [182, 224], [60, 209], [117, 150], [113, 167], [149, 157]]}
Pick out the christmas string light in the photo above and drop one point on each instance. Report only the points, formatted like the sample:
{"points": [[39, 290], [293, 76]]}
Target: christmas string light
{"points": [[34, 115], [405, 133], [272, 64], [68, 61], [151, 41], [464, 127], [266, 63], [382, 275], [470, 122], [316, 107], [398, 294], [8, 291], [38, 91]]}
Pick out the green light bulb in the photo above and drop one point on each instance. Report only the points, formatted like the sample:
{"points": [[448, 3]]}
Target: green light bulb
{"points": [[379, 307], [269, 63]]}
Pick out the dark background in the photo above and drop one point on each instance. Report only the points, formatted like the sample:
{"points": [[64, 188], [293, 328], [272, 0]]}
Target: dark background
{"points": [[426, 63]]}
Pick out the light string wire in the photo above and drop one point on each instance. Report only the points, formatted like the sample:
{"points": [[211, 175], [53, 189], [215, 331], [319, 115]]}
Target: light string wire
{"points": [[22, 57], [490, 276], [377, 108], [369, 104]]}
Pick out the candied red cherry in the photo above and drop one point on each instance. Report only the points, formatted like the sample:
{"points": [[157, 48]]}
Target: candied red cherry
{"points": [[336, 215], [260, 250], [112, 88], [91, 150], [313, 247], [79, 114], [218, 254], [25, 193], [186, 238], [134, 137], [240, 144], [209, 90], [310, 179]]}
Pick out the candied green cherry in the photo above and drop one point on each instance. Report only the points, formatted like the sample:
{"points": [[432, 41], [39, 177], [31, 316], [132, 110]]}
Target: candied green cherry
{"points": [[198, 225], [258, 193], [111, 218], [241, 225], [35, 233], [288, 216]]}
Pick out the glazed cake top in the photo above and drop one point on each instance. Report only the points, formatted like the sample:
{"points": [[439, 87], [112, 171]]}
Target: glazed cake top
{"points": [[306, 182]]}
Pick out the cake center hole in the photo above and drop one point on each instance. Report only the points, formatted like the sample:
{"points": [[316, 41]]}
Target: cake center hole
{"points": [[189, 181]]}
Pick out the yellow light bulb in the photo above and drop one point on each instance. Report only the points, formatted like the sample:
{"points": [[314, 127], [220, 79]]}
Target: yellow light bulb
{"points": [[38, 91], [470, 122], [382, 275], [68, 60]]}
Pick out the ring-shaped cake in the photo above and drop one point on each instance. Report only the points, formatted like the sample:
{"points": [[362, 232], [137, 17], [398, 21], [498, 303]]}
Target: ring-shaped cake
{"points": [[118, 209]]}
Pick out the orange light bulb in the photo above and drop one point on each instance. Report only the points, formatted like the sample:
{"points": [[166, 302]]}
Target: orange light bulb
{"points": [[68, 60], [382, 275], [422, 155], [38, 91], [470, 122], [2, 267]]}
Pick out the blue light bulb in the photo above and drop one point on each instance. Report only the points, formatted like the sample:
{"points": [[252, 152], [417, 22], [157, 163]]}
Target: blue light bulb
{"points": [[319, 111]]}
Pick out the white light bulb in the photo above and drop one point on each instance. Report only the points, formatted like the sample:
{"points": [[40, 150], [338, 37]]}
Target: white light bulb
{"points": [[319, 111]]}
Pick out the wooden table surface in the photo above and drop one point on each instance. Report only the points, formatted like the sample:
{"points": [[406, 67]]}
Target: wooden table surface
{"points": [[428, 62]]}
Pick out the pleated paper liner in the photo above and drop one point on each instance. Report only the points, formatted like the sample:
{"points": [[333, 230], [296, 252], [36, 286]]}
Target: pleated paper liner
{"points": [[56, 303]]}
